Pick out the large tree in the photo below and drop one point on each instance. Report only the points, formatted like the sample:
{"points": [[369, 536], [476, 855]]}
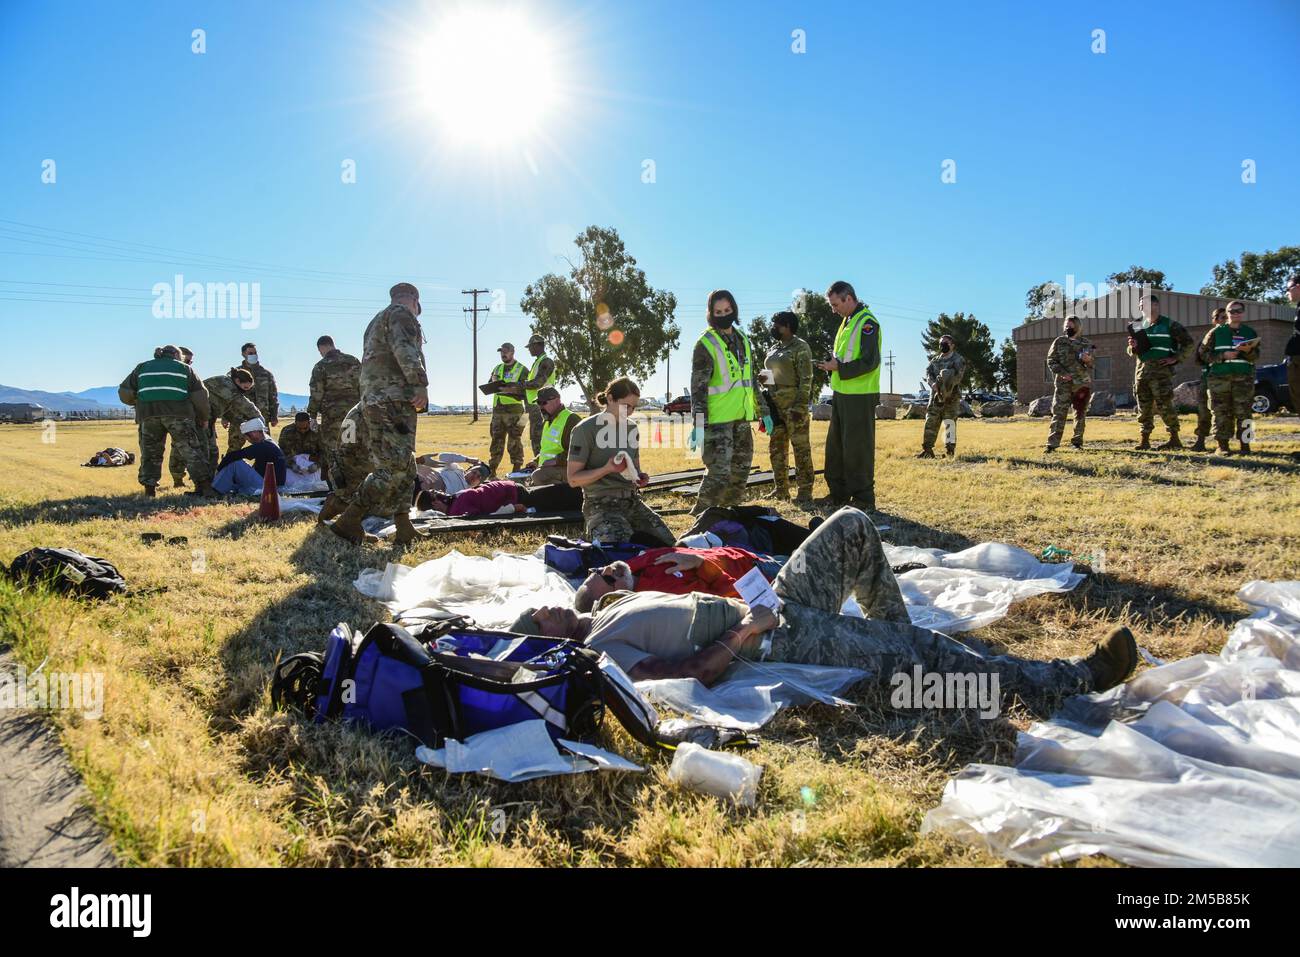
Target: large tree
{"points": [[603, 320], [1257, 276], [817, 325], [974, 343], [1038, 298], [1007, 365], [1139, 276]]}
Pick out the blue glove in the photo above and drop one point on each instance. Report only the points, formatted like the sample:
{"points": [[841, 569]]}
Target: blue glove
{"points": [[695, 438], [767, 424]]}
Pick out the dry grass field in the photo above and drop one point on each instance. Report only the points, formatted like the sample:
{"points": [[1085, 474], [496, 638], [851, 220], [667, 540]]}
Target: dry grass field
{"points": [[189, 765]]}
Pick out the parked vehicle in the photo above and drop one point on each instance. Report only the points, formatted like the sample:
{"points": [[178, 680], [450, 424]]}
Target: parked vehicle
{"points": [[679, 406], [1271, 390]]}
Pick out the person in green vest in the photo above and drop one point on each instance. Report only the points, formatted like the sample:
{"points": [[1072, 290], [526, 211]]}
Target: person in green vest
{"points": [[1234, 347], [1203, 358], [176, 461], [169, 399], [542, 373], [551, 467], [855, 385], [507, 411], [1168, 344], [725, 398]]}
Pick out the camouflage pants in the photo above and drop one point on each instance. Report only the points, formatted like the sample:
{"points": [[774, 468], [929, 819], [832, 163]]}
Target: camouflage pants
{"points": [[330, 425], [185, 435], [844, 557], [176, 464], [349, 465], [506, 424], [794, 427], [535, 426], [940, 410], [1202, 409], [390, 427], [554, 472], [1153, 386], [728, 452], [1230, 398], [616, 518], [1062, 402]]}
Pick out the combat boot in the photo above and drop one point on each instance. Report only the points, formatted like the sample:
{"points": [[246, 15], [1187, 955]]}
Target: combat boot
{"points": [[926, 453], [333, 506], [1224, 449], [1049, 448], [1113, 659], [951, 448], [1245, 448], [406, 532], [782, 492], [1198, 445], [1170, 445], [1077, 443], [1146, 441], [150, 491], [178, 482], [348, 525], [804, 497]]}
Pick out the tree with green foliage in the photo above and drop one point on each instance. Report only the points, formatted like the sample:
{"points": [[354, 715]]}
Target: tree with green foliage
{"points": [[1139, 276], [1007, 365], [974, 343], [603, 320], [817, 325], [1257, 276], [1038, 298]]}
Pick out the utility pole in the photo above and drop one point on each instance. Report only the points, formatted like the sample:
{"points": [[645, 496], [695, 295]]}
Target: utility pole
{"points": [[668, 378], [473, 322], [890, 363]]}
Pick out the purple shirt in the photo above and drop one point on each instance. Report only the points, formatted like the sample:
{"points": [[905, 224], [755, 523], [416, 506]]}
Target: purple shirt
{"points": [[485, 499]]}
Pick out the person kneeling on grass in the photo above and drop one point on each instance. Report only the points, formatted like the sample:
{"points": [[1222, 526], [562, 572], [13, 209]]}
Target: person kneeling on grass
{"points": [[236, 475], [654, 635]]}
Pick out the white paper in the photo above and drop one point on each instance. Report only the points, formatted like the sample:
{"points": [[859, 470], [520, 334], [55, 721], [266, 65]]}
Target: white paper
{"points": [[755, 590]]}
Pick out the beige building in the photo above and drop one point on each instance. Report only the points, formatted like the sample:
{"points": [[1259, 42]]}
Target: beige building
{"points": [[1105, 320]]}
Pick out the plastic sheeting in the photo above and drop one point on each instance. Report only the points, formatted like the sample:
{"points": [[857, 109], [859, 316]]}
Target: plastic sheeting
{"points": [[1193, 763], [521, 752]]}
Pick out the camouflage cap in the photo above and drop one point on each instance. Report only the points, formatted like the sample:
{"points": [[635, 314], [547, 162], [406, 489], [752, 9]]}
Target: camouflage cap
{"points": [[536, 340], [547, 393], [403, 289]]}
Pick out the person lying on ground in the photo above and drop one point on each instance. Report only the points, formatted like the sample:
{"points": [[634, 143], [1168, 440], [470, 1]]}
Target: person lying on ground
{"points": [[652, 635], [441, 472], [235, 474], [490, 497], [676, 571], [110, 457]]}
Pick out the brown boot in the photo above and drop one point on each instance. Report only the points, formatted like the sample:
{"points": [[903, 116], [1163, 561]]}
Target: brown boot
{"points": [[1224, 449], [406, 532], [332, 506], [1146, 441], [804, 497], [348, 525], [178, 482], [782, 492], [1170, 445], [1113, 659], [926, 453], [1198, 445], [1077, 443], [951, 449]]}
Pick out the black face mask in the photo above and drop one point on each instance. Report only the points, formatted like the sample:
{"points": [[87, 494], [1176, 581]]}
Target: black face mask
{"points": [[1071, 330], [945, 347], [722, 322]]}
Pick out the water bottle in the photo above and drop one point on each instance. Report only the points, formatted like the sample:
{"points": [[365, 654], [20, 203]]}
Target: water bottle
{"points": [[726, 776]]}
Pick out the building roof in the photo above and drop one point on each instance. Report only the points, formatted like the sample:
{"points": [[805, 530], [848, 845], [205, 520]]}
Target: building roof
{"points": [[1113, 312]]}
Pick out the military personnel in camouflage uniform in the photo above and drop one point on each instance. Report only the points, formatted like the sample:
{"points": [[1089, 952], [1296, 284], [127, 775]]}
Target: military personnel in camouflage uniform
{"points": [[230, 402], [507, 411], [265, 395], [302, 437], [1204, 357], [790, 365], [943, 375], [611, 504], [169, 399], [176, 461], [1233, 348], [349, 464], [1070, 361], [335, 388], [539, 376], [394, 389], [843, 557], [1153, 379]]}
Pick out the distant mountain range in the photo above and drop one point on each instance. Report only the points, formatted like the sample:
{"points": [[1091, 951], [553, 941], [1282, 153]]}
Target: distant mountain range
{"points": [[104, 397]]}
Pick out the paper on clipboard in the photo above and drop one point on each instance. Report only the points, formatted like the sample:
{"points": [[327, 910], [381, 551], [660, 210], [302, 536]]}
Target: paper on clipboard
{"points": [[754, 589]]}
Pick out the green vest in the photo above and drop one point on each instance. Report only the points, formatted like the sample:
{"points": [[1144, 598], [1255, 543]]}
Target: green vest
{"points": [[515, 373], [162, 380], [552, 448], [531, 394], [1225, 339], [1162, 342], [731, 388], [848, 346]]}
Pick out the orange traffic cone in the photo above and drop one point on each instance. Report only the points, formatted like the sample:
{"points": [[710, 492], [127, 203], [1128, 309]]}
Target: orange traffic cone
{"points": [[269, 510], [659, 438]]}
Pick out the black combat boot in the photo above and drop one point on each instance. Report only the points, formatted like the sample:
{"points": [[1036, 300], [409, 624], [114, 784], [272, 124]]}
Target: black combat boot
{"points": [[150, 491], [1077, 443], [1245, 448], [925, 453], [951, 449], [1198, 445], [1146, 441]]}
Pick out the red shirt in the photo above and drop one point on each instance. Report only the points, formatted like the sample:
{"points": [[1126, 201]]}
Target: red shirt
{"points": [[717, 576], [485, 499]]}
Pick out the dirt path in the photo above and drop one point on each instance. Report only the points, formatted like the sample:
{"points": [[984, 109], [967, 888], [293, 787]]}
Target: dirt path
{"points": [[44, 820]]}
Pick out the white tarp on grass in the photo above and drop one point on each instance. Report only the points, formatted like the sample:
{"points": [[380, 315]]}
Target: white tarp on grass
{"points": [[1193, 763]]}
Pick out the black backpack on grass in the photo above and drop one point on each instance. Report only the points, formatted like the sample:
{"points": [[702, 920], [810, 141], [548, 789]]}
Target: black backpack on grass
{"points": [[68, 572]]}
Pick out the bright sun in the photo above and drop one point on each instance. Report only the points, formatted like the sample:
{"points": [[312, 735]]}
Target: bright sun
{"points": [[489, 76]]}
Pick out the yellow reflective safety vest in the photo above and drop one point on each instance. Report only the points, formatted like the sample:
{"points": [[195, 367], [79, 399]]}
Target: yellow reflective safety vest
{"points": [[731, 389], [514, 374], [552, 446], [848, 346], [531, 394]]}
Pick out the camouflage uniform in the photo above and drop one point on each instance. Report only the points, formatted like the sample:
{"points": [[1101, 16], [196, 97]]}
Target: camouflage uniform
{"points": [[231, 405], [844, 557], [264, 395], [179, 418], [728, 447], [613, 518], [350, 457], [1203, 358], [335, 388], [293, 443], [1065, 357], [507, 423], [612, 506], [392, 373], [1231, 392], [791, 365], [943, 375], [1153, 383]]}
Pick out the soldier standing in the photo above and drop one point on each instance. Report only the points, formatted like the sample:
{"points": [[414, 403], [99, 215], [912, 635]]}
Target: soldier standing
{"points": [[1070, 361], [229, 399], [170, 400], [302, 437], [551, 465], [349, 465], [541, 375], [943, 375], [394, 388], [1204, 357], [507, 411], [855, 384], [1168, 343], [265, 395], [725, 398], [176, 461], [1233, 348], [791, 367], [335, 388]]}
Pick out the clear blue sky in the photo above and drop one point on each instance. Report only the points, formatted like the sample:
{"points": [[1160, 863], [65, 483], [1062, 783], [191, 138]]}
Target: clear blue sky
{"points": [[774, 170]]}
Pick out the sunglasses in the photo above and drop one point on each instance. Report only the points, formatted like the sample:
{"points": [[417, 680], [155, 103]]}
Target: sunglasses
{"points": [[1239, 309]]}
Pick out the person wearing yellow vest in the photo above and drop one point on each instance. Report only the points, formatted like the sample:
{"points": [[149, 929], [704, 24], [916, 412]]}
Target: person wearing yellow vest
{"points": [[169, 399], [507, 411], [1167, 344], [541, 374], [725, 398], [855, 384], [551, 467]]}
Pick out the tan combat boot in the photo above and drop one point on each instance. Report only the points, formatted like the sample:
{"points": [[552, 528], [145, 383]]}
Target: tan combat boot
{"points": [[406, 532], [348, 525], [333, 506], [1146, 441], [1170, 445]]}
